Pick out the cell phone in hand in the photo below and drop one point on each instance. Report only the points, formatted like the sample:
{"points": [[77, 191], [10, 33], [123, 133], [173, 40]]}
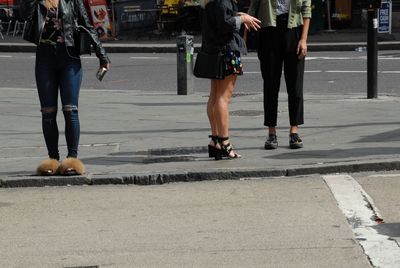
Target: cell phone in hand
{"points": [[101, 73]]}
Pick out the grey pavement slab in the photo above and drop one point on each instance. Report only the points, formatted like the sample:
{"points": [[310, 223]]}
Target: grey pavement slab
{"points": [[255, 223], [140, 137], [384, 190]]}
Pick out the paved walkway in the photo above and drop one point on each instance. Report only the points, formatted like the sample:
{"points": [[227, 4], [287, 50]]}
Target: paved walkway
{"points": [[287, 223], [147, 138]]}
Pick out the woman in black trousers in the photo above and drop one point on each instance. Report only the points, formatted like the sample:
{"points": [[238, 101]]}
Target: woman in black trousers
{"points": [[283, 44]]}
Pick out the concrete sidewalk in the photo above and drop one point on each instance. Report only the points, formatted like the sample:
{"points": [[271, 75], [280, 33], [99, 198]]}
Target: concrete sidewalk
{"points": [[287, 223], [340, 40], [149, 138]]}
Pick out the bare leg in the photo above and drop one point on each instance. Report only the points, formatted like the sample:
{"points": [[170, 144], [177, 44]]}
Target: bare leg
{"points": [[221, 109], [211, 107], [224, 96], [294, 129], [271, 130]]}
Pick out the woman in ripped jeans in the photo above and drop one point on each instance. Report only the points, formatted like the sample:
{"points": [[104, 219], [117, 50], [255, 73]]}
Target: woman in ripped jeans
{"points": [[58, 69]]}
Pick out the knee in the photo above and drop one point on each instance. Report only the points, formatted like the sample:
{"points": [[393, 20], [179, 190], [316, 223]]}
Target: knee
{"points": [[69, 108], [227, 97], [48, 110], [70, 112], [223, 101], [296, 96], [49, 113]]}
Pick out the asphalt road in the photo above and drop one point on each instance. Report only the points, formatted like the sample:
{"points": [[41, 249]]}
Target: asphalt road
{"points": [[326, 73], [297, 222]]}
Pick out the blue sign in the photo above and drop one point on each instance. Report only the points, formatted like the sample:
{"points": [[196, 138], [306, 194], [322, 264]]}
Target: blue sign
{"points": [[385, 18]]}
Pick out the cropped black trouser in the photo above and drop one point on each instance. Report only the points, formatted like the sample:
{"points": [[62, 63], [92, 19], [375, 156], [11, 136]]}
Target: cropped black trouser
{"points": [[277, 48]]}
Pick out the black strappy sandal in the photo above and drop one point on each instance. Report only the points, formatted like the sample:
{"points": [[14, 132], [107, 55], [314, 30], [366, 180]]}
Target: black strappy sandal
{"points": [[226, 150], [213, 150]]}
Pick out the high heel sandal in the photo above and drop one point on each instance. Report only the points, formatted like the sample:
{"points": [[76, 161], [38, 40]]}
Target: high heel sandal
{"points": [[226, 149], [213, 150]]}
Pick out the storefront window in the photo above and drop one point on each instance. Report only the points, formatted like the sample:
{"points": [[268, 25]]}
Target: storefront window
{"points": [[341, 13]]}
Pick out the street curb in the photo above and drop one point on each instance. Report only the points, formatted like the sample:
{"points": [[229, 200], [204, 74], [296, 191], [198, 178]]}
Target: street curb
{"points": [[171, 48], [17, 47], [350, 46], [162, 178]]}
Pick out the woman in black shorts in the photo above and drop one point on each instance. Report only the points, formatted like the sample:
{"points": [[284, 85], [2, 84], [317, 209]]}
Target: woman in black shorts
{"points": [[220, 33]]}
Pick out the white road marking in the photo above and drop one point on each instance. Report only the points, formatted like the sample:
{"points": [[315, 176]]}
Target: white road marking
{"points": [[84, 89], [145, 58], [352, 58], [339, 71], [252, 72], [334, 71], [360, 212], [256, 58], [312, 71], [390, 72], [335, 58], [388, 58]]}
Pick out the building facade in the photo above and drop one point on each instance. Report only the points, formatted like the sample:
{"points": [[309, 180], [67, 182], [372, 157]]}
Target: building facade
{"points": [[351, 13]]}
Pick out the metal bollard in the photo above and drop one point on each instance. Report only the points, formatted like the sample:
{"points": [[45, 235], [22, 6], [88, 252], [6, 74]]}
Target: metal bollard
{"points": [[372, 55], [185, 64]]}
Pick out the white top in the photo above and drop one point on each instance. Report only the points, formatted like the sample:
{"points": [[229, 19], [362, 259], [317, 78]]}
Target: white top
{"points": [[282, 7]]}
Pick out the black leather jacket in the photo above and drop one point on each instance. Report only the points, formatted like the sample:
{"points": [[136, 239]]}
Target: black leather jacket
{"points": [[72, 11], [221, 26]]}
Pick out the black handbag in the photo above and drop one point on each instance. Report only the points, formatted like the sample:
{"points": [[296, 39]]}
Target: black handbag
{"points": [[28, 34], [210, 66], [83, 41]]}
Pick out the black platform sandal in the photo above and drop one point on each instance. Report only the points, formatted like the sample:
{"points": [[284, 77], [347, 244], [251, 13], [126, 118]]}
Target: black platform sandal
{"points": [[213, 150], [226, 150]]}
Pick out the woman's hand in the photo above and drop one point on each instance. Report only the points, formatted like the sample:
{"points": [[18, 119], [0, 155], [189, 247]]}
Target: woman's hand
{"points": [[107, 66], [250, 22], [302, 49]]}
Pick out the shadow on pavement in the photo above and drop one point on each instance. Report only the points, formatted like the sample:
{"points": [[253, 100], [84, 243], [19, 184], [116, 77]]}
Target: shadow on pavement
{"points": [[336, 153], [389, 229], [389, 136]]}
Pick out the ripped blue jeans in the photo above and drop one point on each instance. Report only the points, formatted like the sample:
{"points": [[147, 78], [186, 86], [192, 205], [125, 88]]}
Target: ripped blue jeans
{"points": [[56, 71]]}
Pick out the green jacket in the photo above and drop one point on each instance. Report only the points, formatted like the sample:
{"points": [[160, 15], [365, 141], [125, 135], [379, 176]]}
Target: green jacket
{"points": [[265, 10]]}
